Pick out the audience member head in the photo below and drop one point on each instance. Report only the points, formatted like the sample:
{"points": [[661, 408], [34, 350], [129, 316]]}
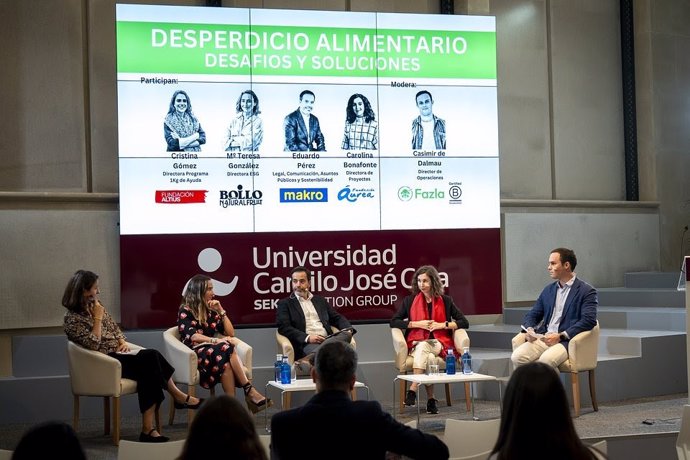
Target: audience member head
{"points": [[536, 417], [48, 440], [223, 423], [81, 282], [435, 279], [335, 366]]}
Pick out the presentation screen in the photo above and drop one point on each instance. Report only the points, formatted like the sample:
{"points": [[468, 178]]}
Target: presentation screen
{"points": [[359, 145]]}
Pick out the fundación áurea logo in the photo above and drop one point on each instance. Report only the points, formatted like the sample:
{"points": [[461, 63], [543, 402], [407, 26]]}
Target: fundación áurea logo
{"points": [[180, 196], [354, 194], [303, 195], [406, 193], [240, 197]]}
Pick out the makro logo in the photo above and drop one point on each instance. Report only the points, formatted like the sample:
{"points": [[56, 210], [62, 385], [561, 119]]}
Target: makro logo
{"points": [[406, 193], [303, 195], [240, 197], [354, 194]]}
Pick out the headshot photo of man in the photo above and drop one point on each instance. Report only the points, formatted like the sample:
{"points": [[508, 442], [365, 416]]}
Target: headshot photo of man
{"points": [[428, 130], [302, 129]]}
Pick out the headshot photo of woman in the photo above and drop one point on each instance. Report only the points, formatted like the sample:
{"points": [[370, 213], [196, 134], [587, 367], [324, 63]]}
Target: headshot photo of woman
{"points": [[361, 127], [246, 130], [183, 132]]}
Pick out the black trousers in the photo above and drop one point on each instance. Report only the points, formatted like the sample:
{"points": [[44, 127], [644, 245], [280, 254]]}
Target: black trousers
{"points": [[151, 371]]}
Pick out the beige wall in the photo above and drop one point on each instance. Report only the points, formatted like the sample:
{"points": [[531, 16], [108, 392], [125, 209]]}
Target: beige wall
{"points": [[662, 40], [560, 127]]}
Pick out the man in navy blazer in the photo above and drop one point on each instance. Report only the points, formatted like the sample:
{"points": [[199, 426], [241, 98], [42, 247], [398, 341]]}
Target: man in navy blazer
{"points": [[306, 319], [363, 430], [564, 309], [302, 129]]}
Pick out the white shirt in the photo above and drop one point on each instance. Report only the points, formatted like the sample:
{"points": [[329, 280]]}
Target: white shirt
{"points": [[312, 320], [561, 296], [306, 123], [428, 141]]}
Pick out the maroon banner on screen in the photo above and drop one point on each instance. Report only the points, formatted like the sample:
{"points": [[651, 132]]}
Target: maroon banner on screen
{"points": [[364, 274]]}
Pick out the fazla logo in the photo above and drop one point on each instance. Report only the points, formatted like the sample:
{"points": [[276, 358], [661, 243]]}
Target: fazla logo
{"points": [[406, 193], [353, 194]]}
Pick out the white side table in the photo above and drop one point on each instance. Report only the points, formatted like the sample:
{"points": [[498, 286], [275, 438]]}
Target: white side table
{"points": [[425, 379], [299, 385]]}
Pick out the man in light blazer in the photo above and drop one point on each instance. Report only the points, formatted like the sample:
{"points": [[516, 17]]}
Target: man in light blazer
{"points": [[564, 309], [330, 425], [306, 319], [302, 129]]}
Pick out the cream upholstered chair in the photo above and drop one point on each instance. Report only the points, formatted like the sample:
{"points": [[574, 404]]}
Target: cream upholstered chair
{"points": [[266, 443], [479, 456], [284, 347], [184, 360], [93, 373], [582, 356], [601, 447], [6, 454], [469, 438], [130, 450], [683, 440], [403, 361]]}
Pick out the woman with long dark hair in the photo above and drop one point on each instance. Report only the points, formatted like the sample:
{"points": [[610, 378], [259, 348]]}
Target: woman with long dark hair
{"points": [[181, 128], [536, 418], [199, 319], [88, 324], [361, 127], [223, 424], [429, 319]]}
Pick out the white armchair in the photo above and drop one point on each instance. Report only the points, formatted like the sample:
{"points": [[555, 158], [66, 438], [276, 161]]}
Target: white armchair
{"points": [[284, 347], [93, 373], [403, 361], [184, 360], [582, 356]]}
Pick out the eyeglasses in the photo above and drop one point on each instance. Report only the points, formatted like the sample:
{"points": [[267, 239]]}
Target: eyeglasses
{"points": [[180, 100]]}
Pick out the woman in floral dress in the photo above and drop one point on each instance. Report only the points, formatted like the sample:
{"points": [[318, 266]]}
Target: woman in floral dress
{"points": [[199, 319]]}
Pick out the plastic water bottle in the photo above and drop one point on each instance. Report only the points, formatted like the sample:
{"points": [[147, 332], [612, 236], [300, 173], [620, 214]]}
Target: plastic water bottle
{"points": [[450, 362], [285, 371], [466, 361], [277, 367]]}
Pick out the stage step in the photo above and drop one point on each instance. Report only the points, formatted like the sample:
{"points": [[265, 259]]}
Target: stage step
{"points": [[631, 363], [641, 297], [655, 318], [653, 280]]}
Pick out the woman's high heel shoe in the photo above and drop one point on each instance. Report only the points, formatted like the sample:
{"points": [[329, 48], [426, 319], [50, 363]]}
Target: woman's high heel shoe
{"points": [[255, 407], [186, 405]]}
